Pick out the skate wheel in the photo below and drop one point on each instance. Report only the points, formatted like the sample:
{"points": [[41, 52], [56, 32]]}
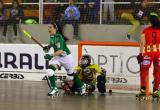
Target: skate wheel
{"points": [[53, 97], [57, 94]]}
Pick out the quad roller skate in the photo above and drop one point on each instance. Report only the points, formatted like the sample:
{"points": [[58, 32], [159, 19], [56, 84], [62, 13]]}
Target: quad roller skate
{"points": [[66, 88], [156, 95], [89, 90], [82, 90], [142, 95], [54, 92]]}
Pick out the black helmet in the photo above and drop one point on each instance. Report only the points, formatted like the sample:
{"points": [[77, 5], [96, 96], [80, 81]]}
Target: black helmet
{"points": [[154, 19], [85, 60]]}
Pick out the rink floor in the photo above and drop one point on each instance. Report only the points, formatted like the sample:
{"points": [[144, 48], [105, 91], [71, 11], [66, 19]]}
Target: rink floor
{"points": [[29, 95]]}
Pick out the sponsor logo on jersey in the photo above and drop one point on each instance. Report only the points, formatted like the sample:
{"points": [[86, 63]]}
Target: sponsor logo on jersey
{"points": [[146, 62]]}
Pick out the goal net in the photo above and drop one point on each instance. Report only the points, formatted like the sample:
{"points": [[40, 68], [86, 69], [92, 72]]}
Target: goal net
{"points": [[119, 59]]}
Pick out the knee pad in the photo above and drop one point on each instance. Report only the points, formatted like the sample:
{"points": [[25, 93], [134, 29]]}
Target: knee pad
{"points": [[66, 88], [50, 72], [53, 67]]}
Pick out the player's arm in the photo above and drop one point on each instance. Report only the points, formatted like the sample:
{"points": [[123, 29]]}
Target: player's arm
{"points": [[142, 42], [58, 53], [100, 70], [141, 48]]}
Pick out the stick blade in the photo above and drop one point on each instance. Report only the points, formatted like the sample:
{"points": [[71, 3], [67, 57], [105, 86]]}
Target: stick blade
{"points": [[27, 34]]}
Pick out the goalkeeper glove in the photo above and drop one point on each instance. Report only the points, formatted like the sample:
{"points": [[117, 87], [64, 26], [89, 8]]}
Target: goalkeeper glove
{"points": [[140, 58], [46, 49], [48, 57]]}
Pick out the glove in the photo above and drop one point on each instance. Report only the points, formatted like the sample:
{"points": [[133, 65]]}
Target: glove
{"points": [[140, 58], [103, 71], [46, 49], [48, 57]]}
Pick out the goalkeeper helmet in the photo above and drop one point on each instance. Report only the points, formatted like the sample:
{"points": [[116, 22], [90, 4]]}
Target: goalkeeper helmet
{"points": [[85, 60]]}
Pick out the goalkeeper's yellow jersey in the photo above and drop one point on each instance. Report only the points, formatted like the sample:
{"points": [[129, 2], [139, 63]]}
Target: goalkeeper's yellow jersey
{"points": [[88, 74]]}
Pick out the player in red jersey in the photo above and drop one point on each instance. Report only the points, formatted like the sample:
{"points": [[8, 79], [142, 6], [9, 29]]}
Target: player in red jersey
{"points": [[150, 52]]}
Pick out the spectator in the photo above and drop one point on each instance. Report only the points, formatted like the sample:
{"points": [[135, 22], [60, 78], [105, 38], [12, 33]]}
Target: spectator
{"points": [[140, 13], [16, 14], [93, 10], [3, 18], [58, 13], [72, 16], [84, 9], [108, 10]]}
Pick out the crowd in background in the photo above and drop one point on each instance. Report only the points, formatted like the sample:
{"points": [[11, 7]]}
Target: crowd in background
{"points": [[90, 10], [15, 14], [135, 13], [76, 12]]}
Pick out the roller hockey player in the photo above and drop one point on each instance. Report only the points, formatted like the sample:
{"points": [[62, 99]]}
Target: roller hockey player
{"points": [[61, 57], [150, 52]]}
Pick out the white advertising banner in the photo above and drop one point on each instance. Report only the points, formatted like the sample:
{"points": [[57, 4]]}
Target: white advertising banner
{"points": [[26, 62]]}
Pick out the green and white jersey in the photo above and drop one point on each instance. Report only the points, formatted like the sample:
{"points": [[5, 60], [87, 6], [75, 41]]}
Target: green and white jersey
{"points": [[58, 43]]}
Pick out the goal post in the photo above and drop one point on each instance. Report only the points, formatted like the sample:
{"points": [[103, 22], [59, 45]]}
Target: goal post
{"points": [[131, 48]]}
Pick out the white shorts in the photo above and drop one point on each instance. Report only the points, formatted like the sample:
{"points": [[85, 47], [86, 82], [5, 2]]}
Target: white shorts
{"points": [[66, 62]]}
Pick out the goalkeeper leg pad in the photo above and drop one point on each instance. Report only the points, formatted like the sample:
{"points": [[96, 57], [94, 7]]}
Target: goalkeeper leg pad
{"points": [[101, 84]]}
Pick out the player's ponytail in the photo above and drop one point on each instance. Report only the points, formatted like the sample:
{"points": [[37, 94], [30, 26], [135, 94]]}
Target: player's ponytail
{"points": [[154, 19], [58, 27]]}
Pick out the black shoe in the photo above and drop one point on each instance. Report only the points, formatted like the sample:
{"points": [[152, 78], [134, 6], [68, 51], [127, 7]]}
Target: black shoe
{"points": [[128, 36]]}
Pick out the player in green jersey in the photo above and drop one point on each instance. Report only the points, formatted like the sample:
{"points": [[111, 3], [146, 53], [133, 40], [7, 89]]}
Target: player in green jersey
{"points": [[61, 57]]}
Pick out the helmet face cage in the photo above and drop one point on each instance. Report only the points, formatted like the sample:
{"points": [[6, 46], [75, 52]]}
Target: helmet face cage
{"points": [[85, 60]]}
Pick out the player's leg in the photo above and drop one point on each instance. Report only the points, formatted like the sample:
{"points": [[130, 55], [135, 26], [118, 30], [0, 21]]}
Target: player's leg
{"points": [[144, 71], [67, 63], [5, 29], [101, 80], [156, 74], [129, 17], [52, 79], [14, 23], [75, 29], [135, 25], [54, 64]]}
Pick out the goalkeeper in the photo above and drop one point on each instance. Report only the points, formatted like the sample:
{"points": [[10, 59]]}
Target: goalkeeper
{"points": [[61, 57], [87, 73]]}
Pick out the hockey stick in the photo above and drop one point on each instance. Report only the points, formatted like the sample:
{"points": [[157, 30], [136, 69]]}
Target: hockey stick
{"points": [[28, 35]]}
